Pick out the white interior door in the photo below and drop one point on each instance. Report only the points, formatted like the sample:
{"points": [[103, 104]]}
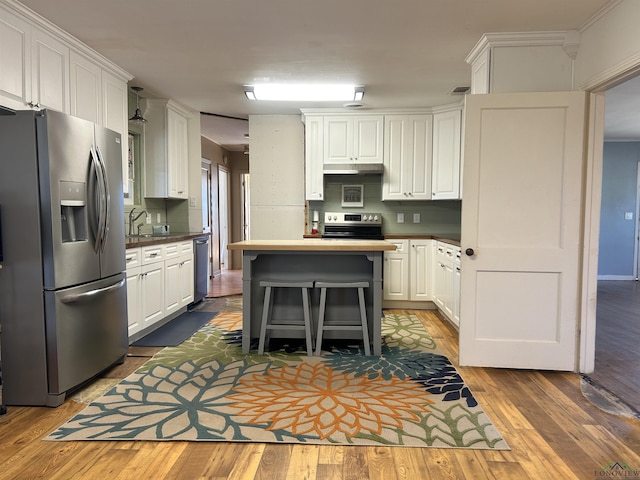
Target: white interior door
{"points": [[521, 215]]}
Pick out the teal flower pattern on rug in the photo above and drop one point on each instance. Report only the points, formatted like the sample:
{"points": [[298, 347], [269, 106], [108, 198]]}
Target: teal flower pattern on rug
{"points": [[206, 389]]}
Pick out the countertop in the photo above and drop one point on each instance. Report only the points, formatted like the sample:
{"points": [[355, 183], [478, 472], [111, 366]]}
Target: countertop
{"points": [[453, 239], [134, 242], [313, 244]]}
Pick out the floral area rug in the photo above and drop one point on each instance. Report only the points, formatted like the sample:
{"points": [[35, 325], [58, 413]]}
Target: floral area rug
{"points": [[206, 390]]}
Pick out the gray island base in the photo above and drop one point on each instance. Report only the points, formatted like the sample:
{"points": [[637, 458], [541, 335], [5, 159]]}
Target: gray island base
{"points": [[312, 260]]}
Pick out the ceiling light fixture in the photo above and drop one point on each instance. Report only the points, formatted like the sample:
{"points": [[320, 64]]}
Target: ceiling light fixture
{"points": [[137, 116], [304, 93]]}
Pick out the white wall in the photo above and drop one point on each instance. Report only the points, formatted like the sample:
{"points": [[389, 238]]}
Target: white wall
{"points": [[609, 45], [276, 166]]}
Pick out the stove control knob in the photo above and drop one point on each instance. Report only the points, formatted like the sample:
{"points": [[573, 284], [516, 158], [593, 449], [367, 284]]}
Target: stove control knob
{"points": [[370, 217], [375, 218]]}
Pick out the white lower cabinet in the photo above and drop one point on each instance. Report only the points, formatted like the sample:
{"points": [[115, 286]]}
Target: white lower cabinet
{"points": [[396, 271], [406, 274], [159, 282], [178, 275], [446, 293]]}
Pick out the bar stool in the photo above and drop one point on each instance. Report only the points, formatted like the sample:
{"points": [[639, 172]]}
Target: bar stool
{"points": [[267, 322], [363, 313]]}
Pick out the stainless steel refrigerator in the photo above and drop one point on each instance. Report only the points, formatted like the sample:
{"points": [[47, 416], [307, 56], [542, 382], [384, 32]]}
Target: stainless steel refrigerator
{"points": [[63, 305]]}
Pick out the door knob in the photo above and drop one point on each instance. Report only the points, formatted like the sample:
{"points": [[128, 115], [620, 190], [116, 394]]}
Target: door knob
{"points": [[469, 252]]}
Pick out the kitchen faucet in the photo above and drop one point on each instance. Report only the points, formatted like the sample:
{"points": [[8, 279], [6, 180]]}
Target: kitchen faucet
{"points": [[132, 220]]}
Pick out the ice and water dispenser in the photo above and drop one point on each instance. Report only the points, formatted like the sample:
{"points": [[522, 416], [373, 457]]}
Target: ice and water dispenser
{"points": [[73, 216]]}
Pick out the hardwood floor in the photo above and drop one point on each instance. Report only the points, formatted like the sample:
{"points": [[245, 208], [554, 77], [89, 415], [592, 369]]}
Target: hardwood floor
{"points": [[617, 366], [553, 432], [229, 282]]}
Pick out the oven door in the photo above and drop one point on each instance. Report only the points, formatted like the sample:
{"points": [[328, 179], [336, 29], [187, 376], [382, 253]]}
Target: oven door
{"points": [[349, 232]]}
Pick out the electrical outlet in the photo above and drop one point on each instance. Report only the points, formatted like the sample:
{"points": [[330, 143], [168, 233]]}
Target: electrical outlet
{"points": [[148, 218], [158, 218], [628, 215], [400, 218], [192, 201], [416, 218]]}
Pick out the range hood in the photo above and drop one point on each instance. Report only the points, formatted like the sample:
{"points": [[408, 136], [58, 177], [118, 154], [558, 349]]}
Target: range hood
{"points": [[353, 169]]}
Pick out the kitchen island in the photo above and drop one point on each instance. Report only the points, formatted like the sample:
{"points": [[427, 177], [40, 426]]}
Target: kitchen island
{"points": [[311, 260]]}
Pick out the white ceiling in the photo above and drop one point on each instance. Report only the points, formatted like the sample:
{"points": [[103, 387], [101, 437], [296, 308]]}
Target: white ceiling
{"points": [[407, 53]]}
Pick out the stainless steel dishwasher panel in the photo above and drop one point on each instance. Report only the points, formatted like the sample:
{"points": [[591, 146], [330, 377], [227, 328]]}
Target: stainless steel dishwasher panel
{"points": [[201, 270]]}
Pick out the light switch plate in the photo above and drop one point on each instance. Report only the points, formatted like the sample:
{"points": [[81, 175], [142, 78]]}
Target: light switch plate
{"points": [[416, 218], [628, 215]]}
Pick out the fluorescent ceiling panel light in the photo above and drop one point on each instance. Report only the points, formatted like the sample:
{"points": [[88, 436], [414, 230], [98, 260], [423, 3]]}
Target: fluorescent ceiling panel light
{"points": [[308, 93]]}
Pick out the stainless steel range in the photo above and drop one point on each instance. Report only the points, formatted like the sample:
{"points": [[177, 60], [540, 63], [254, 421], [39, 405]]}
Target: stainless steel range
{"points": [[355, 226]]}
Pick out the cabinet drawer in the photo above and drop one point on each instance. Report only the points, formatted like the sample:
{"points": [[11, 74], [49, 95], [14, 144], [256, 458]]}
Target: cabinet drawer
{"points": [[186, 247], [152, 254], [132, 258], [171, 250], [402, 246]]}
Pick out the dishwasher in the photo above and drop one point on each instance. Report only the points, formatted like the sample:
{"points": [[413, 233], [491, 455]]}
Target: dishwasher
{"points": [[201, 268]]}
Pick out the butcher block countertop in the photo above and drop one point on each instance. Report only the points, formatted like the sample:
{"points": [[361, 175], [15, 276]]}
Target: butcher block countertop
{"points": [[313, 245], [147, 240]]}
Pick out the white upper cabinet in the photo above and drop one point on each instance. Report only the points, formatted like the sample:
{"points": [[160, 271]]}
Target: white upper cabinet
{"points": [[86, 88], [353, 139], [42, 66], [407, 157], [49, 72], [445, 177], [35, 66], [313, 156], [15, 58], [166, 149]]}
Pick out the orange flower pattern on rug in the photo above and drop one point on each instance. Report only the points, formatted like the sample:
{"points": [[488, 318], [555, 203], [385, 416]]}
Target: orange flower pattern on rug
{"points": [[228, 321], [314, 398]]}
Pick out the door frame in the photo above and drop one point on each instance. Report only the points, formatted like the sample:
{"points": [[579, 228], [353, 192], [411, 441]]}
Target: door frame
{"points": [[592, 198]]}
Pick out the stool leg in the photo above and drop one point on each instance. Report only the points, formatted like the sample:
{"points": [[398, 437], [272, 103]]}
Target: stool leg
{"points": [[307, 319], [266, 312], [323, 301], [363, 319]]}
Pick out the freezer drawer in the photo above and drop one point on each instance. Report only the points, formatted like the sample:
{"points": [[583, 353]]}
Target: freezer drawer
{"points": [[86, 332]]}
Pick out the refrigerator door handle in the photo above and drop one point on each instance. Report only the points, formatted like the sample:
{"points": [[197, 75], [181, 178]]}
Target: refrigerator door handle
{"points": [[101, 203], [106, 199], [93, 200], [92, 293]]}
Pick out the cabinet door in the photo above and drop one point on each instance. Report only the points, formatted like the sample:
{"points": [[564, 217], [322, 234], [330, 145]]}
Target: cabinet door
{"points": [[314, 178], [368, 139], [439, 289], [338, 139], [171, 285], [419, 254], [456, 295], [86, 88], [133, 300], [114, 116], [396, 277], [177, 150], [446, 155], [15, 58], [152, 293], [186, 280], [407, 157], [50, 72], [417, 165], [448, 290], [394, 179]]}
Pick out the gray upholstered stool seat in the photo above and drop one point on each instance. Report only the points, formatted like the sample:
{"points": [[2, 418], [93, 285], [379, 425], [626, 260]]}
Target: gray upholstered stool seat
{"points": [[362, 325], [268, 323]]}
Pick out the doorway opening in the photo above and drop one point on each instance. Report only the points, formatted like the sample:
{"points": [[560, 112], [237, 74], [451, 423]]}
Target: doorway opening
{"points": [[224, 214], [617, 316]]}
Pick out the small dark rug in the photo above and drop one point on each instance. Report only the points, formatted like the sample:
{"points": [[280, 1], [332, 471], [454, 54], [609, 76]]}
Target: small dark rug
{"points": [[176, 331]]}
